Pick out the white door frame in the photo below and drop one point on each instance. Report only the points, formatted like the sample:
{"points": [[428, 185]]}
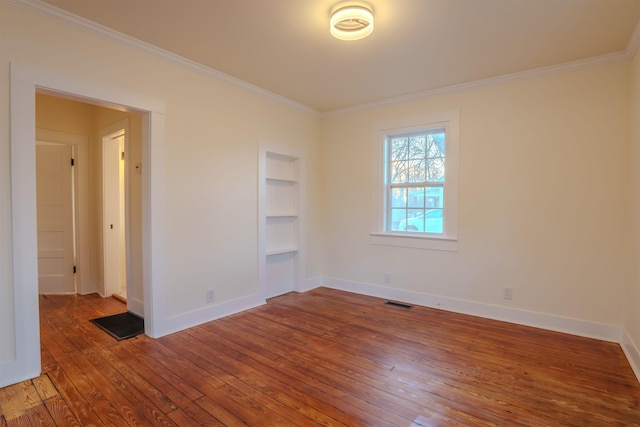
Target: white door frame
{"points": [[81, 212], [25, 81]]}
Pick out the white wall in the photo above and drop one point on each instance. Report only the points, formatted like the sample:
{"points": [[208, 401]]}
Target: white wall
{"points": [[543, 201], [212, 129]]}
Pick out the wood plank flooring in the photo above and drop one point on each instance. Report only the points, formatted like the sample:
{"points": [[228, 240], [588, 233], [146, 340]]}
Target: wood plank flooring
{"points": [[326, 358]]}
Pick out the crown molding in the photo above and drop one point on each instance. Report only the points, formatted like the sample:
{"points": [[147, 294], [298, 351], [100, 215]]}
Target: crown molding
{"points": [[611, 58], [93, 28], [44, 9]]}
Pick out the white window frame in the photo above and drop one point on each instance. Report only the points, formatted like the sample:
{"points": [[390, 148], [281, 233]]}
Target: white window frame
{"points": [[447, 241]]}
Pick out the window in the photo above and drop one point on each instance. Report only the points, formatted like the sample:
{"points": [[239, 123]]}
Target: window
{"points": [[415, 167], [417, 191]]}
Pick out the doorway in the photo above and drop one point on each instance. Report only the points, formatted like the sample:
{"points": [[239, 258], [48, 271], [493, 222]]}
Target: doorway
{"points": [[103, 203], [108, 131], [25, 81]]}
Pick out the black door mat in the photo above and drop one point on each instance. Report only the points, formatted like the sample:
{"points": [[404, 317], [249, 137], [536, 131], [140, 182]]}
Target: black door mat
{"points": [[121, 326]]}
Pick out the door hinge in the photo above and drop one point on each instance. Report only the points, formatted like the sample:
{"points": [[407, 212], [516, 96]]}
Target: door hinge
{"points": [[73, 162], [74, 269]]}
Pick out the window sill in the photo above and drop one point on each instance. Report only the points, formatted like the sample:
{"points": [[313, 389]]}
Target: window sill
{"points": [[415, 241]]}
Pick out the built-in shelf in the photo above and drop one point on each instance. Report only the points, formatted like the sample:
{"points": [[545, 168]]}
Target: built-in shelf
{"points": [[281, 251], [280, 265], [273, 178]]}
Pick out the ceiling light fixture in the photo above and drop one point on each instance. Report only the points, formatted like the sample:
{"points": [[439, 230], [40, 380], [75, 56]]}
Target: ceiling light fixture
{"points": [[351, 21]]}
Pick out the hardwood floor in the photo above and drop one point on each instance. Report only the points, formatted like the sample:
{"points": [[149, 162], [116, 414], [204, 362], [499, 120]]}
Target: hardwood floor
{"points": [[324, 357]]}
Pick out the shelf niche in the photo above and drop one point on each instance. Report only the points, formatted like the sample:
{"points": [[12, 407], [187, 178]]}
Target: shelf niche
{"points": [[280, 220]]}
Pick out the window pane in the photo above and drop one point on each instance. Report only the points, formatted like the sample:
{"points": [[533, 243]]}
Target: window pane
{"points": [[436, 145], [434, 197], [415, 220], [435, 170], [399, 198], [398, 216], [417, 147], [399, 148], [406, 220], [399, 171], [415, 197], [417, 171], [433, 221]]}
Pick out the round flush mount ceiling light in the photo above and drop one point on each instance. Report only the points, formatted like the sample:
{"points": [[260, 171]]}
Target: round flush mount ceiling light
{"points": [[351, 21]]}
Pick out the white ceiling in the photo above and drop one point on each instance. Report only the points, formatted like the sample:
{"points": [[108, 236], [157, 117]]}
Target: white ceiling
{"points": [[284, 46]]}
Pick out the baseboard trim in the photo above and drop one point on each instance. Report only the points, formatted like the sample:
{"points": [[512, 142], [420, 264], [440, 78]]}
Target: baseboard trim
{"points": [[215, 311], [309, 284], [522, 317], [58, 293], [566, 325], [630, 349], [206, 314]]}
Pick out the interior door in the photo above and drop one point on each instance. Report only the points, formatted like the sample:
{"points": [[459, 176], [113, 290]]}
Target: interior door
{"points": [[115, 277], [54, 198]]}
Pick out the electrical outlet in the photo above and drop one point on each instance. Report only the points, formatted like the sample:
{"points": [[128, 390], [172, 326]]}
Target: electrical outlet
{"points": [[387, 278], [211, 296], [507, 293]]}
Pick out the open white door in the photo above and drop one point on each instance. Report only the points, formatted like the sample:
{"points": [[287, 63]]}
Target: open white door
{"points": [[54, 195], [113, 217]]}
